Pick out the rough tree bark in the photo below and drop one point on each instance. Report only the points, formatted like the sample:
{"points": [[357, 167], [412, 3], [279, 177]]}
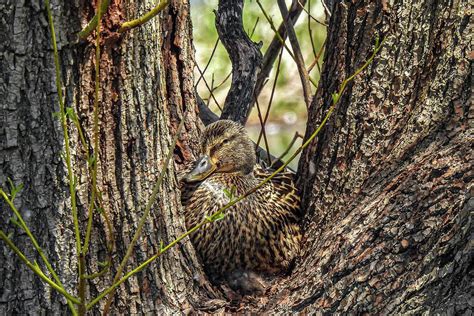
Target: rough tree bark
{"points": [[387, 186], [146, 84]]}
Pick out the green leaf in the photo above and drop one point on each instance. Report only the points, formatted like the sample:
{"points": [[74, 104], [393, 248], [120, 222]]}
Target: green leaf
{"points": [[91, 160], [14, 189], [162, 249], [57, 115], [233, 191], [103, 264], [72, 115], [227, 193], [14, 220], [218, 216], [335, 97], [69, 112], [230, 193]]}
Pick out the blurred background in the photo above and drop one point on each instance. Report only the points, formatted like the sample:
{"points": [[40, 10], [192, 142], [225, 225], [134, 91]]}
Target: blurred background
{"points": [[287, 115]]}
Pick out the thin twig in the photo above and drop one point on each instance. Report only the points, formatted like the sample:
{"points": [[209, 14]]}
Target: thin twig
{"points": [[37, 247], [208, 88], [208, 62], [262, 125], [326, 9], [95, 133], [280, 38], [212, 89], [287, 150], [308, 12], [267, 113], [254, 27], [298, 56], [310, 31], [85, 248], [272, 26], [63, 118], [316, 60], [274, 48]]}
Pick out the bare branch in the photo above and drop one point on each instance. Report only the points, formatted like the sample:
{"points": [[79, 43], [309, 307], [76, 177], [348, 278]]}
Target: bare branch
{"points": [[208, 62], [275, 46], [245, 56], [304, 76]]}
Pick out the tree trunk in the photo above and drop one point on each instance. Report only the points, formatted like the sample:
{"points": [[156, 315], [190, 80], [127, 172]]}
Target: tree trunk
{"points": [[146, 85], [387, 186]]}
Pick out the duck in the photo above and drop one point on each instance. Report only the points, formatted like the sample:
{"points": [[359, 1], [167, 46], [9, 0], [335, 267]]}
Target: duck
{"points": [[259, 234]]}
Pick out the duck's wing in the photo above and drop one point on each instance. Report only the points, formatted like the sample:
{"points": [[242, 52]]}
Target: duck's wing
{"points": [[282, 190]]}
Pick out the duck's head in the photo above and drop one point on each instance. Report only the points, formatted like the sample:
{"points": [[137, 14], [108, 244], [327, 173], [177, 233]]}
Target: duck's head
{"points": [[225, 148]]}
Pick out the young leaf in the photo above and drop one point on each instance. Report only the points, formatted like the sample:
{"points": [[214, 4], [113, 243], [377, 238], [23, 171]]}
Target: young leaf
{"points": [[335, 97], [233, 191], [14, 221], [227, 193], [70, 113], [218, 217], [91, 160], [14, 189], [103, 264]]}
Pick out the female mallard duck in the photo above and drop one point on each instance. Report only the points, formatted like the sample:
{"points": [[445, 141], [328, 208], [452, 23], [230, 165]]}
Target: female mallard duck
{"points": [[260, 233]]}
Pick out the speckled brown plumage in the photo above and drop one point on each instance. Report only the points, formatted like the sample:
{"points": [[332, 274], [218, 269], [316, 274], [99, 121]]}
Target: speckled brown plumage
{"points": [[260, 233]]}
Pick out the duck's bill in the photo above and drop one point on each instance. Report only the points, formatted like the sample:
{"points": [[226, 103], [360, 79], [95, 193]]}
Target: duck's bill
{"points": [[203, 168]]}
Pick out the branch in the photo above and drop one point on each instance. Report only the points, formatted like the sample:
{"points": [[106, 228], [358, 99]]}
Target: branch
{"points": [[304, 76], [144, 18], [275, 46], [92, 25], [207, 65], [22, 224], [245, 56]]}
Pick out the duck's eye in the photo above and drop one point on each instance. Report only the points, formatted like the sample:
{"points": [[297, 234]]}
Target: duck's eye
{"points": [[225, 141]]}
